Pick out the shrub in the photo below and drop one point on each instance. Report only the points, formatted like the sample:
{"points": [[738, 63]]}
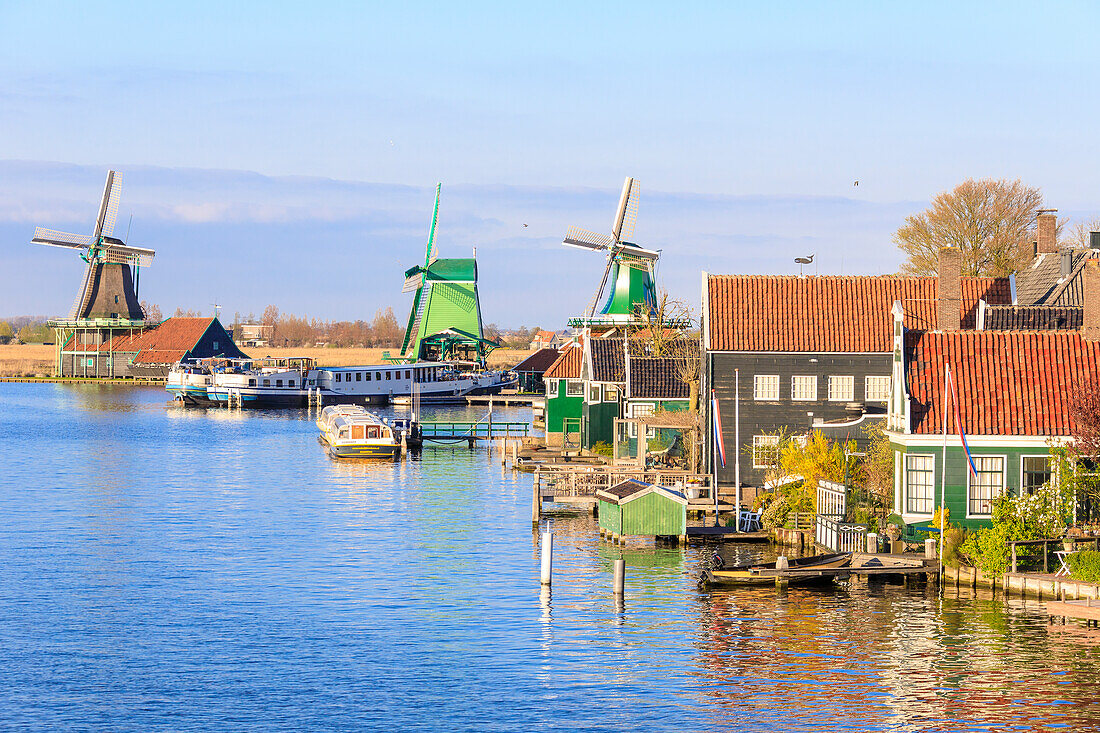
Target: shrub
{"points": [[776, 513], [603, 448], [1046, 513], [1085, 565]]}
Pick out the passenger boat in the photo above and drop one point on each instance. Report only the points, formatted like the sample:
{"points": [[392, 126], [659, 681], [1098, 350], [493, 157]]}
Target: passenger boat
{"points": [[188, 382], [352, 432], [799, 571]]}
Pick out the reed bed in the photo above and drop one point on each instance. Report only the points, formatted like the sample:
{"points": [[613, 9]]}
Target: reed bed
{"points": [[26, 360]]}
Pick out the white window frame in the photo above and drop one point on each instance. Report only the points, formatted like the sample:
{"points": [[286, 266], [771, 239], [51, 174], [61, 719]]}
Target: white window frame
{"points": [[840, 379], [571, 384], [970, 478], [610, 393], [597, 391], [768, 396], [761, 441], [551, 388], [908, 490], [794, 390], [867, 389], [1050, 468]]}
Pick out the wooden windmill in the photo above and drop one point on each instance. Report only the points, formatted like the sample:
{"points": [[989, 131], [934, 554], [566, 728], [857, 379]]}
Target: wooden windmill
{"points": [[630, 268], [109, 288]]}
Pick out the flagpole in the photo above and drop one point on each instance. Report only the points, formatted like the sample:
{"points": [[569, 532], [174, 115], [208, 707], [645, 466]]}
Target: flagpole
{"points": [[943, 467], [736, 444]]}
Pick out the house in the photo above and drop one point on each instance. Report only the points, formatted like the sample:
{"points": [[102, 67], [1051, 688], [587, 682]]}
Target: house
{"points": [[546, 340], [531, 370], [150, 353], [786, 353], [634, 507], [254, 334], [1014, 390], [564, 397], [603, 374]]}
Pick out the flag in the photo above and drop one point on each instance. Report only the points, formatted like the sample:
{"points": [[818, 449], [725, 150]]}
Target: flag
{"points": [[718, 433], [959, 424]]}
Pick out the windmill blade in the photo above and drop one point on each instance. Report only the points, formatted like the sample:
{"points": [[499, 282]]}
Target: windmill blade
{"points": [[54, 238], [584, 239], [629, 250], [627, 213], [603, 284], [105, 205], [412, 282], [430, 254], [112, 205], [126, 254]]}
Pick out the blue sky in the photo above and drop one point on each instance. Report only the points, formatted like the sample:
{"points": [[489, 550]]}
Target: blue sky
{"points": [[286, 140]]}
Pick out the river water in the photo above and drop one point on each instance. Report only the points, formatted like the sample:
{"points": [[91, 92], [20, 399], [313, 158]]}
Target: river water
{"points": [[164, 568]]}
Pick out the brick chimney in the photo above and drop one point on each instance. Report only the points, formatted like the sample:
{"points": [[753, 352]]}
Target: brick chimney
{"points": [[949, 301], [1047, 226], [1090, 321]]}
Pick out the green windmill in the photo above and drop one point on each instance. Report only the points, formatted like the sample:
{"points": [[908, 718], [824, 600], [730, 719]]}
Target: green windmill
{"points": [[630, 268], [445, 319]]}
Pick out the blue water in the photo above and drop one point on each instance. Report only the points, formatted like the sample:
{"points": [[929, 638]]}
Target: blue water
{"points": [[164, 568]]}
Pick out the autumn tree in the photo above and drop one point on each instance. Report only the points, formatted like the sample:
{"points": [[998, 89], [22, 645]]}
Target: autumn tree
{"points": [[385, 328], [991, 221], [6, 332], [151, 311]]}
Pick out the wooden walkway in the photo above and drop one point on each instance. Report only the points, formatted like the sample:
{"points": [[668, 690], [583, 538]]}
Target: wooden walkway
{"points": [[1088, 610], [87, 380], [506, 399]]}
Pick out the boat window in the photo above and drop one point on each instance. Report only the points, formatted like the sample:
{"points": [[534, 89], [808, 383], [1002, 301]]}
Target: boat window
{"points": [[408, 374], [359, 376], [290, 383], [368, 376], [337, 376], [356, 432], [388, 375], [278, 383], [251, 382], [267, 382], [343, 433], [372, 432]]}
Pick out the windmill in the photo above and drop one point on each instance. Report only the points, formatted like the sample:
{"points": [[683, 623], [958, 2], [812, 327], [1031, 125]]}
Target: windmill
{"points": [[445, 307], [109, 288], [630, 268]]}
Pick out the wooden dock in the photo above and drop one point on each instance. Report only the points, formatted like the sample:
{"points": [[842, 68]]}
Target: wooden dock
{"points": [[1087, 610], [727, 534], [88, 380], [452, 431], [507, 400]]}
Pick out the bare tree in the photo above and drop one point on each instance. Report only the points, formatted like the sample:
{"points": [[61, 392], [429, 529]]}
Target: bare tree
{"points": [[990, 220], [1078, 237], [151, 311], [656, 328]]}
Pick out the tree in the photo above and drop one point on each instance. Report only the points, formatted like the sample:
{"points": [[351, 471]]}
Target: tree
{"points": [[1078, 237], [385, 328], [991, 221], [151, 311], [6, 332]]}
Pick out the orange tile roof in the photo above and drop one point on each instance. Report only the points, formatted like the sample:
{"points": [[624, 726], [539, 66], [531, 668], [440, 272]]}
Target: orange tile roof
{"points": [[567, 365], [165, 343], [1009, 382], [829, 314]]}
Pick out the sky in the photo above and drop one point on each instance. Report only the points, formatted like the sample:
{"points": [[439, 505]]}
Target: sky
{"points": [[287, 153]]}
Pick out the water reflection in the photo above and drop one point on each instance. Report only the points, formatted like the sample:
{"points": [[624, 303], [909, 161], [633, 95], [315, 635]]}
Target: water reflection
{"points": [[212, 568]]}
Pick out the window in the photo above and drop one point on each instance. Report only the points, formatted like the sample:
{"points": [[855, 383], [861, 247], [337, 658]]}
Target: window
{"points": [[388, 376], [116, 300], [267, 382], [842, 389], [372, 431], [551, 388], [765, 387], [368, 376], [593, 393], [408, 374], [278, 383], [215, 346], [610, 394], [765, 451], [804, 389], [356, 432], [644, 409], [359, 376], [574, 388], [986, 485], [337, 376], [877, 389], [251, 382], [1034, 472], [290, 383], [920, 481]]}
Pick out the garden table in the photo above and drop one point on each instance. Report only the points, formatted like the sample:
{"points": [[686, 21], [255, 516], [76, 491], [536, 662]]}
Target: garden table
{"points": [[1062, 555]]}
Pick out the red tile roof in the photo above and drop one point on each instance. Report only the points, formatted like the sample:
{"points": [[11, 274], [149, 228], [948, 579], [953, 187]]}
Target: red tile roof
{"points": [[568, 364], [829, 314], [166, 343], [1009, 382]]}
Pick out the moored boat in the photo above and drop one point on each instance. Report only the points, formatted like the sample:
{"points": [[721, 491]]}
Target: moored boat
{"points": [[352, 432], [799, 571]]}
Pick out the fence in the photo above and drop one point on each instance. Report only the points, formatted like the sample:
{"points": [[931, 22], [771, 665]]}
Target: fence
{"points": [[584, 482], [830, 529]]}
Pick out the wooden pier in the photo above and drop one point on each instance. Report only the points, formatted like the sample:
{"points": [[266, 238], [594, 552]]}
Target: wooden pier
{"points": [[507, 400], [452, 431], [1087, 610]]}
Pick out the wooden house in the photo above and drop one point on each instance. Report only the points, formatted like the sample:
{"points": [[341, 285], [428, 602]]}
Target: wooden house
{"points": [[783, 353], [564, 398], [637, 508], [1014, 392], [530, 371], [151, 352]]}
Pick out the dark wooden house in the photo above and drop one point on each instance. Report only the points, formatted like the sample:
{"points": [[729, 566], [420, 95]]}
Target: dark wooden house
{"points": [[531, 369], [150, 353]]}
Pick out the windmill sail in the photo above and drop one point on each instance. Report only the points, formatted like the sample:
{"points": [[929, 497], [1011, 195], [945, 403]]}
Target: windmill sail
{"points": [[626, 215], [54, 238], [430, 253]]}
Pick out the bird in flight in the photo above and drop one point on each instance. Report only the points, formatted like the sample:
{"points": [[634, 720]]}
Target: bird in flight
{"points": [[524, 226], [856, 182]]}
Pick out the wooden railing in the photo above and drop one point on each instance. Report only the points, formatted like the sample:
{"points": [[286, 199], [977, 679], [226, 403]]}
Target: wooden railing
{"points": [[585, 482]]}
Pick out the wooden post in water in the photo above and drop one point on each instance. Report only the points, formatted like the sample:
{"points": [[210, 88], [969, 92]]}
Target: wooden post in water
{"points": [[1013, 557], [620, 576], [547, 548], [536, 499]]}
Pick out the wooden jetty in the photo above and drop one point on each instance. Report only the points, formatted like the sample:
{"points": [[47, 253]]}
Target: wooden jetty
{"points": [[1087, 610], [459, 431], [131, 381], [568, 484], [506, 399]]}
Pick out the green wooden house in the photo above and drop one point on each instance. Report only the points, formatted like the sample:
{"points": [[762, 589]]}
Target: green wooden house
{"points": [[1013, 388], [637, 508], [603, 371], [564, 398]]}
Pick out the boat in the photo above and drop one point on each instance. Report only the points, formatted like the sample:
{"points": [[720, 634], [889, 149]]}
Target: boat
{"points": [[799, 570], [187, 381], [352, 432]]}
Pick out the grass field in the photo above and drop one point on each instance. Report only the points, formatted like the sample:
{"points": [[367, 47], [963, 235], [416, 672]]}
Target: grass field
{"points": [[26, 360]]}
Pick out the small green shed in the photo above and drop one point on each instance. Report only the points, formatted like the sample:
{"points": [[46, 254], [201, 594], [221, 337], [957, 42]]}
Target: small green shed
{"points": [[636, 508]]}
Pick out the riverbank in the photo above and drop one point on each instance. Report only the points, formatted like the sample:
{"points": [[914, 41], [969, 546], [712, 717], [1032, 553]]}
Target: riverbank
{"points": [[37, 360]]}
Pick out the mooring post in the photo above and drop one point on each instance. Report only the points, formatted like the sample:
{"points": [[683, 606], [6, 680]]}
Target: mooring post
{"points": [[536, 499], [1013, 557], [872, 543], [930, 549], [547, 547], [620, 576]]}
